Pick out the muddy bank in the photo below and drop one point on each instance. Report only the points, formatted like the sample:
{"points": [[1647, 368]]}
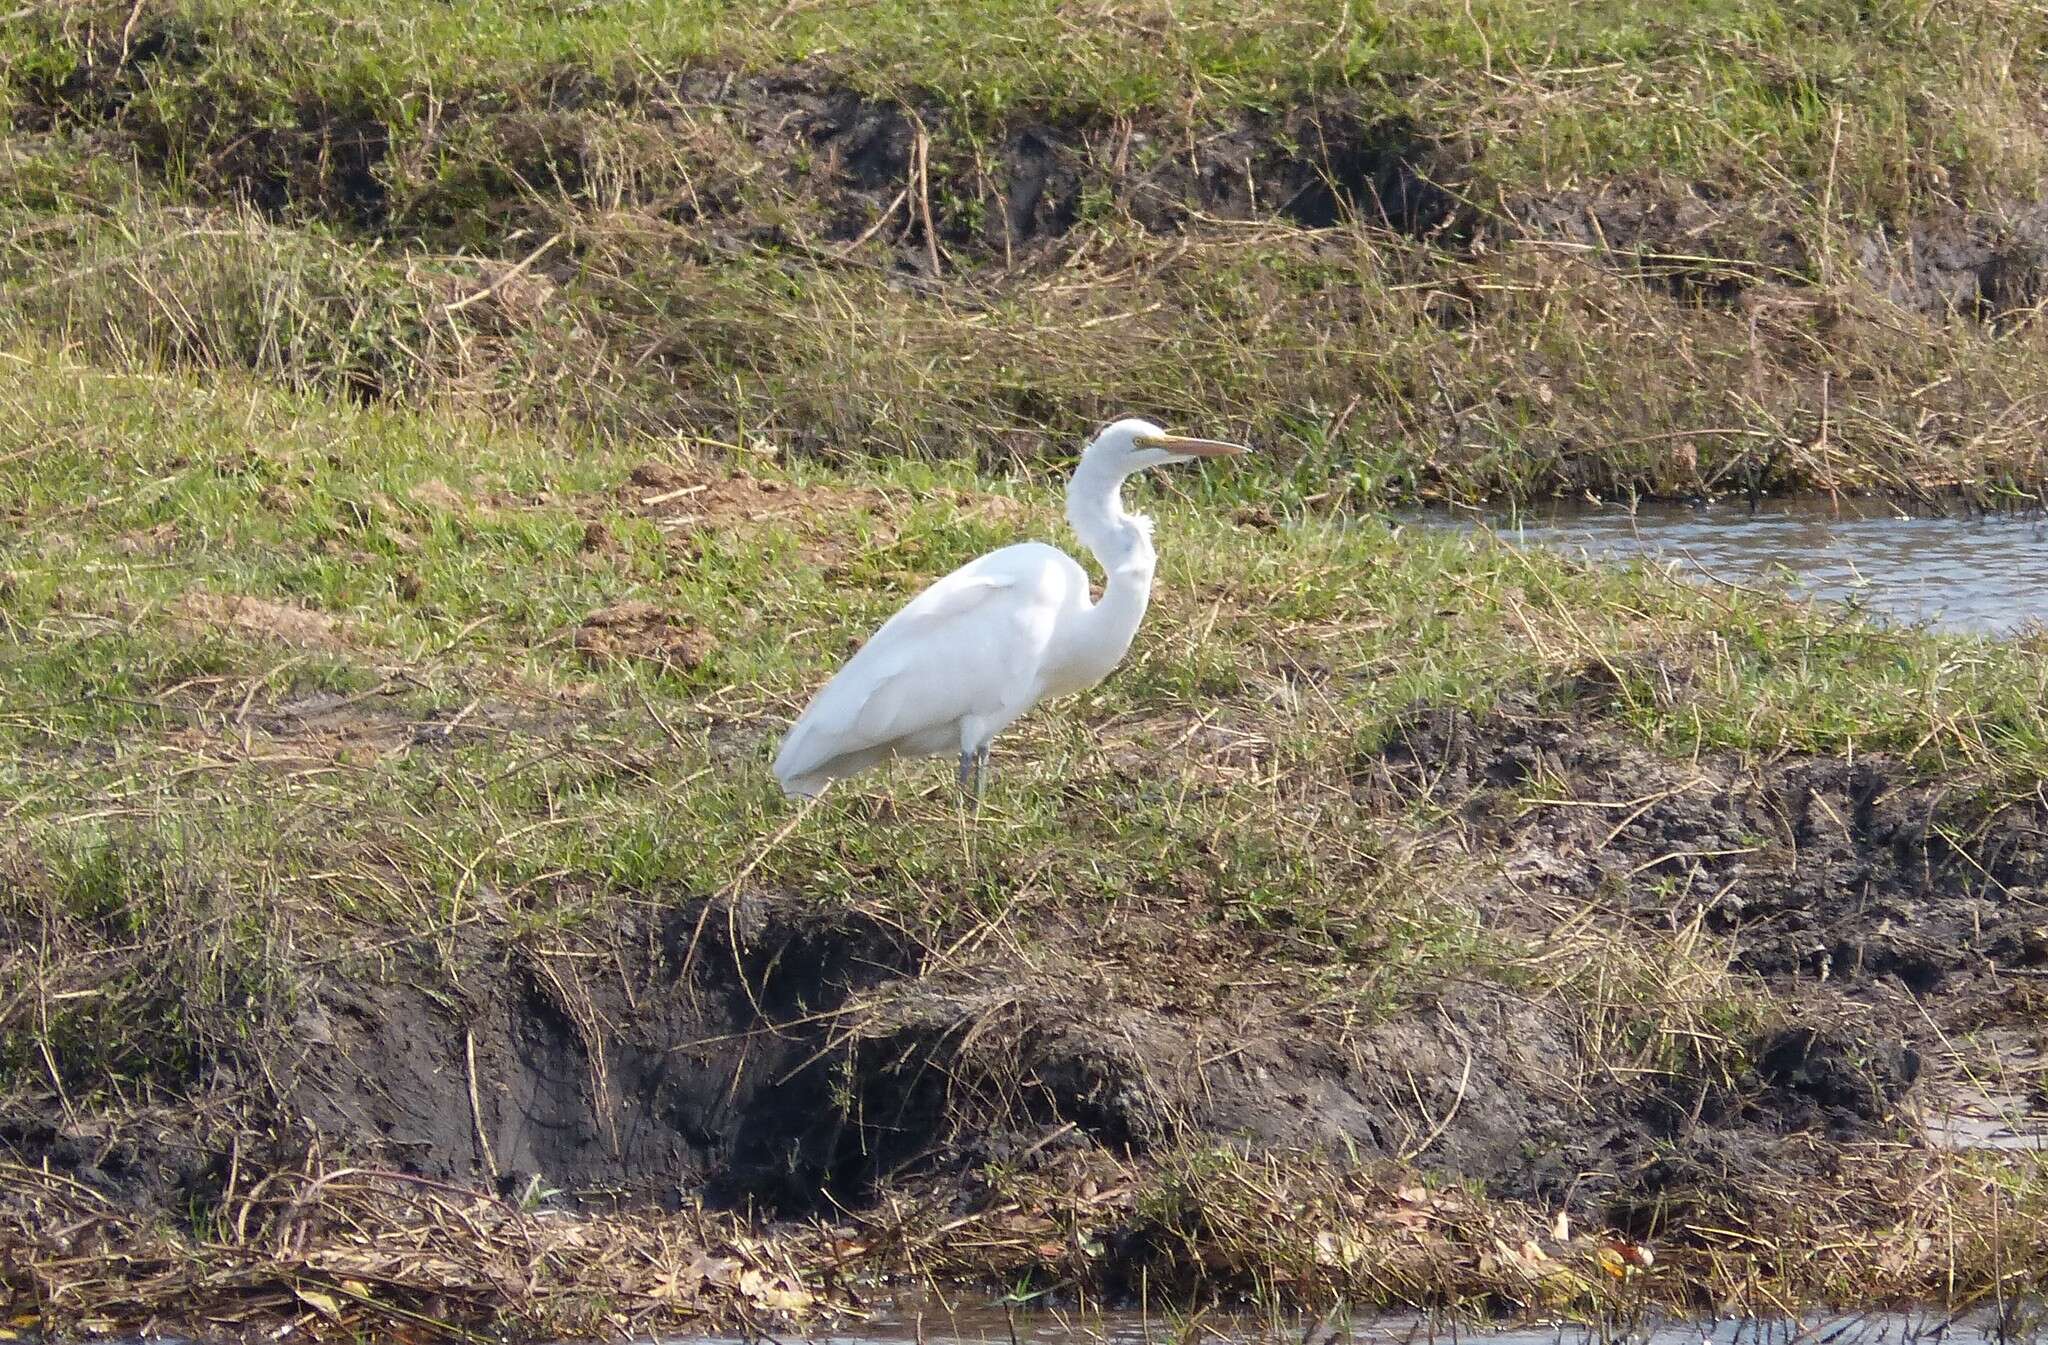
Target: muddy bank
{"points": [[799, 157], [775, 1055], [1702, 1007]]}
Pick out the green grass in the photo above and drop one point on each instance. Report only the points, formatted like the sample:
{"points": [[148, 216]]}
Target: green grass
{"points": [[339, 215], [1895, 103], [1371, 370], [146, 726], [133, 491]]}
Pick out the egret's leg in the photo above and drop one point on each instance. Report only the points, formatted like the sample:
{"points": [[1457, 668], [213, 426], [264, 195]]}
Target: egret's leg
{"points": [[980, 772], [967, 761]]}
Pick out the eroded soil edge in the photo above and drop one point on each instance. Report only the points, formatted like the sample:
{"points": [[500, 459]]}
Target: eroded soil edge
{"points": [[770, 1055]]}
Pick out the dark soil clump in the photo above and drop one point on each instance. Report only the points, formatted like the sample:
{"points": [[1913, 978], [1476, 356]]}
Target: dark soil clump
{"points": [[853, 166], [1820, 870], [1883, 914]]}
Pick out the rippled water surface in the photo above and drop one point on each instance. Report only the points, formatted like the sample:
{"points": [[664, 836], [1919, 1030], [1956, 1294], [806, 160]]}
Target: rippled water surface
{"points": [[1985, 575]]}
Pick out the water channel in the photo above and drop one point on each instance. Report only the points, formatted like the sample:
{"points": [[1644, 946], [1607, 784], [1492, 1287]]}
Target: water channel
{"points": [[1981, 575]]}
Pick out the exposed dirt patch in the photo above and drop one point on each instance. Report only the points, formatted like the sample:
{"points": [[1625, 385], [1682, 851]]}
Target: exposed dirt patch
{"points": [[707, 1053], [845, 167], [1892, 919], [1696, 244], [1973, 266], [156, 541], [774, 1057], [320, 152], [365, 726], [641, 630], [689, 504], [1814, 1078], [1134, 1044], [1315, 164], [438, 494], [1704, 246], [248, 618], [1220, 748]]}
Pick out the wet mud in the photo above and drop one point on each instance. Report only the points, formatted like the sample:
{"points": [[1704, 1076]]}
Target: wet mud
{"points": [[1892, 922]]}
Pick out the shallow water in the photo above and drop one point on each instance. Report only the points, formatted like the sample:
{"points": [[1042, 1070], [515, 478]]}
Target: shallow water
{"points": [[1981, 575], [981, 1326]]}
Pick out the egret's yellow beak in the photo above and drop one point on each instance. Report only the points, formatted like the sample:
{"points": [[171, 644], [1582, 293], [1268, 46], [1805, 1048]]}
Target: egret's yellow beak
{"points": [[1194, 448]]}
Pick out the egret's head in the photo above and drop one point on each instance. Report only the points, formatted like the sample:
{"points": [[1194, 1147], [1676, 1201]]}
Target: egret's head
{"points": [[1132, 445]]}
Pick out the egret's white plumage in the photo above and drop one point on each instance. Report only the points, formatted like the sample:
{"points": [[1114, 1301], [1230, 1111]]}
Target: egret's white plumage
{"points": [[983, 645]]}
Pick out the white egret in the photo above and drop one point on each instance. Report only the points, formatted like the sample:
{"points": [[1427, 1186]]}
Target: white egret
{"points": [[969, 655]]}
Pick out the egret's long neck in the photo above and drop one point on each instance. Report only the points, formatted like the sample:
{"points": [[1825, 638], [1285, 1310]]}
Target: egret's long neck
{"points": [[1122, 544]]}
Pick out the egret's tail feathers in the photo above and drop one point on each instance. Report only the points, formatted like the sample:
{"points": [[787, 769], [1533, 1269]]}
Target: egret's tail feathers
{"points": [[802, 786], [804, 774], [797, 764], [795, 776]]}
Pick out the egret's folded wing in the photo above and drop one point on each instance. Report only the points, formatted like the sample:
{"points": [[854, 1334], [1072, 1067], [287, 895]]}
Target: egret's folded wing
{"points": [[949, 599], [900, 681], [913, 673]]}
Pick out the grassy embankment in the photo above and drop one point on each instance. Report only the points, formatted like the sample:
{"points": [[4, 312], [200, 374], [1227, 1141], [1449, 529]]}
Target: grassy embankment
{"points": [[1718, 242], [383, 617]]}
